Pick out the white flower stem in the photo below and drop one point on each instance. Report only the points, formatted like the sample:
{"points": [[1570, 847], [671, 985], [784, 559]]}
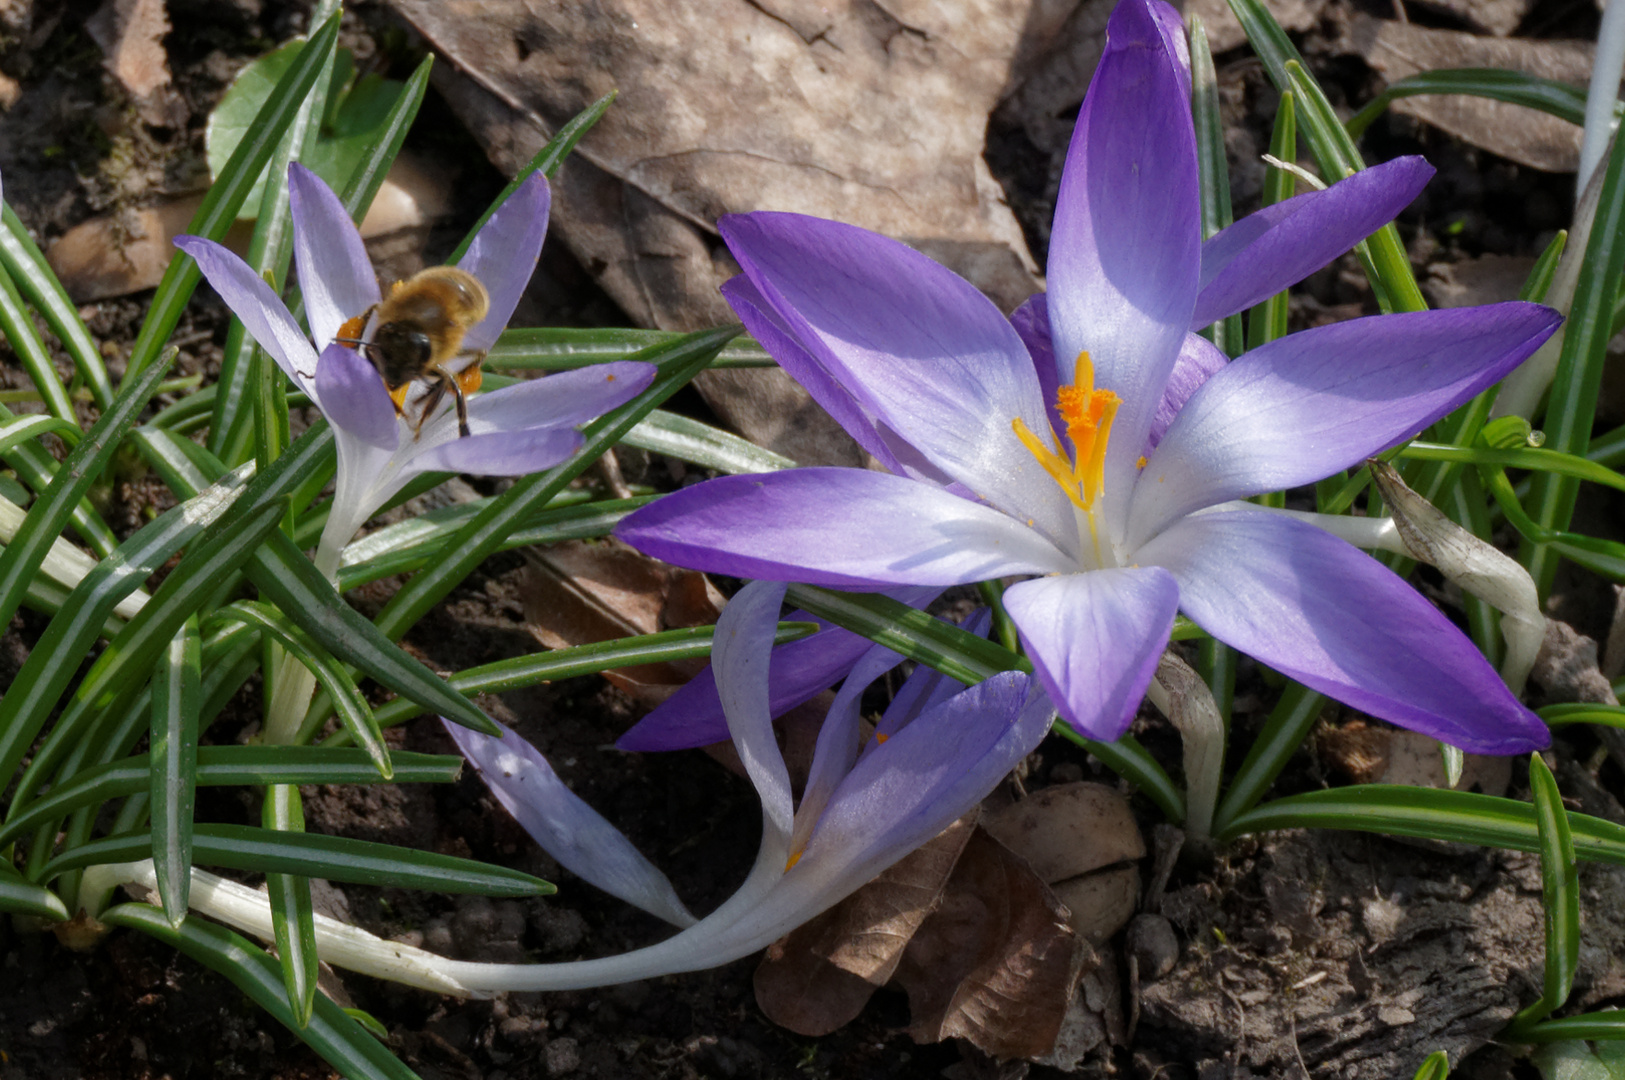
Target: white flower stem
{"points": [[1603, 93]]}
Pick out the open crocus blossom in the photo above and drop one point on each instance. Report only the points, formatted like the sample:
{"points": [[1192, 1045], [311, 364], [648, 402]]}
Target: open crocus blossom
{"points": [[1104, 463], [519, 429], [935, 755]]}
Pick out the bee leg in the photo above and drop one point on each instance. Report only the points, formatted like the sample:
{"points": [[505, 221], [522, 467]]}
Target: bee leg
{"points": [[462, 404], [431, 402]]}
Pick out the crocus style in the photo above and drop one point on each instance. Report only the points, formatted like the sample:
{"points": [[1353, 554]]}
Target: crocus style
{"points": [[1106, 460], [935, 755], [519, 429]]}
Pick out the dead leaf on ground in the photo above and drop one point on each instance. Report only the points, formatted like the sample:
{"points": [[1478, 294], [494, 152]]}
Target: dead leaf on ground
{"points": [[1533, 138], [581, 592], [997, 963], [819, 976], [131, 34], [1375, 754], [871, 114]]}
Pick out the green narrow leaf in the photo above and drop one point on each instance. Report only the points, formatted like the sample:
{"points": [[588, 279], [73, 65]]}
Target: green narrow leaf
{"points": [[547, 162], [560, 348], [704, 445], [22, 558], [34, 278], [678, 361], [176, 698], [18, 329], [342, 1042], [693, 643], [1545, 268], [1514, 87], [1560, 896], [354, 712], [1597, 1025], [1288, 726], [1572, 406], [224, 766], [119, 674], [1541, 460], [293, 915], [1268, 320], [911, 632], [337, 858], [227, 194], [1436, 1067], [55, 659], [22, 897], [1213, 166]]}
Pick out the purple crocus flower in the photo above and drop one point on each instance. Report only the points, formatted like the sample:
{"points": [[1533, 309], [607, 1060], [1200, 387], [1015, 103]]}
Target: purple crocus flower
{"points": [[519, 429], [1053, 464], [934, 756]]}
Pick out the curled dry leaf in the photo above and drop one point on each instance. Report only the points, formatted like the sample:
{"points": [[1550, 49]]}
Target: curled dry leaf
{"points": [[1532, 138], [871, 114]]}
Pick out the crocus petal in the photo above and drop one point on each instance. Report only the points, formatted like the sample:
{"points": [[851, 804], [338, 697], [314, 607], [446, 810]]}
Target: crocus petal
{"points": [[776, 336], [921, 350], [335, 275], [798, 672], [1282, 244], [503, 256], [1199, 359], [1095, 640], [920, 781], [262, 312], [744, 644], [354, 399], [1031, 322], [838, 740], [575, 834], [1306, 405], [1330, 616], [507, 453], [564, 399], [1172, 27], [839, 527], [1125, 248]]}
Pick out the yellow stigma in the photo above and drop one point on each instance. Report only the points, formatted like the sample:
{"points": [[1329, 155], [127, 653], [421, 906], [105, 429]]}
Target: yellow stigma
{"points": [[1088, 415]]}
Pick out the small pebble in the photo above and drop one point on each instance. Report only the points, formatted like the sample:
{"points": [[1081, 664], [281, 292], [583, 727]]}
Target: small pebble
{"points": [[1151, 939], [563, 1057]]}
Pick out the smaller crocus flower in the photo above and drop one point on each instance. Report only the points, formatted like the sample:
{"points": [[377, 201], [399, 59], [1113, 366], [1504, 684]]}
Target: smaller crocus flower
{"points": [[516, 430], [935, 755]]}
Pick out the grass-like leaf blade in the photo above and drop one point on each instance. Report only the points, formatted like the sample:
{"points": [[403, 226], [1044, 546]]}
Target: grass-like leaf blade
{"points": [[176, 698], [341, 1041]]}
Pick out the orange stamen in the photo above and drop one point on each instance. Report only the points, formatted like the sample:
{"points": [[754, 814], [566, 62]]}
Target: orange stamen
{"points": [[1088, 415]]}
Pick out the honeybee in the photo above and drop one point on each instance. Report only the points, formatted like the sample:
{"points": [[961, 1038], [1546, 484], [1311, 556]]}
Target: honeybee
{"points": [[421, 325]]}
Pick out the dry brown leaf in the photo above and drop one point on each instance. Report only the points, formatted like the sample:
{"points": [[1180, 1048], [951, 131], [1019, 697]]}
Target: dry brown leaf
{"points": [[852, 110], [820, 976], [131, 34], [1068, 830], [1526, 136], [1415, 759], [997, 963], [580, 592]]}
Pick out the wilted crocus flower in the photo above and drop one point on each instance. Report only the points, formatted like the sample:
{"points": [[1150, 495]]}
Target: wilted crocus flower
{"points": [[1010, 462], [933, 757], [519, 429]]}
